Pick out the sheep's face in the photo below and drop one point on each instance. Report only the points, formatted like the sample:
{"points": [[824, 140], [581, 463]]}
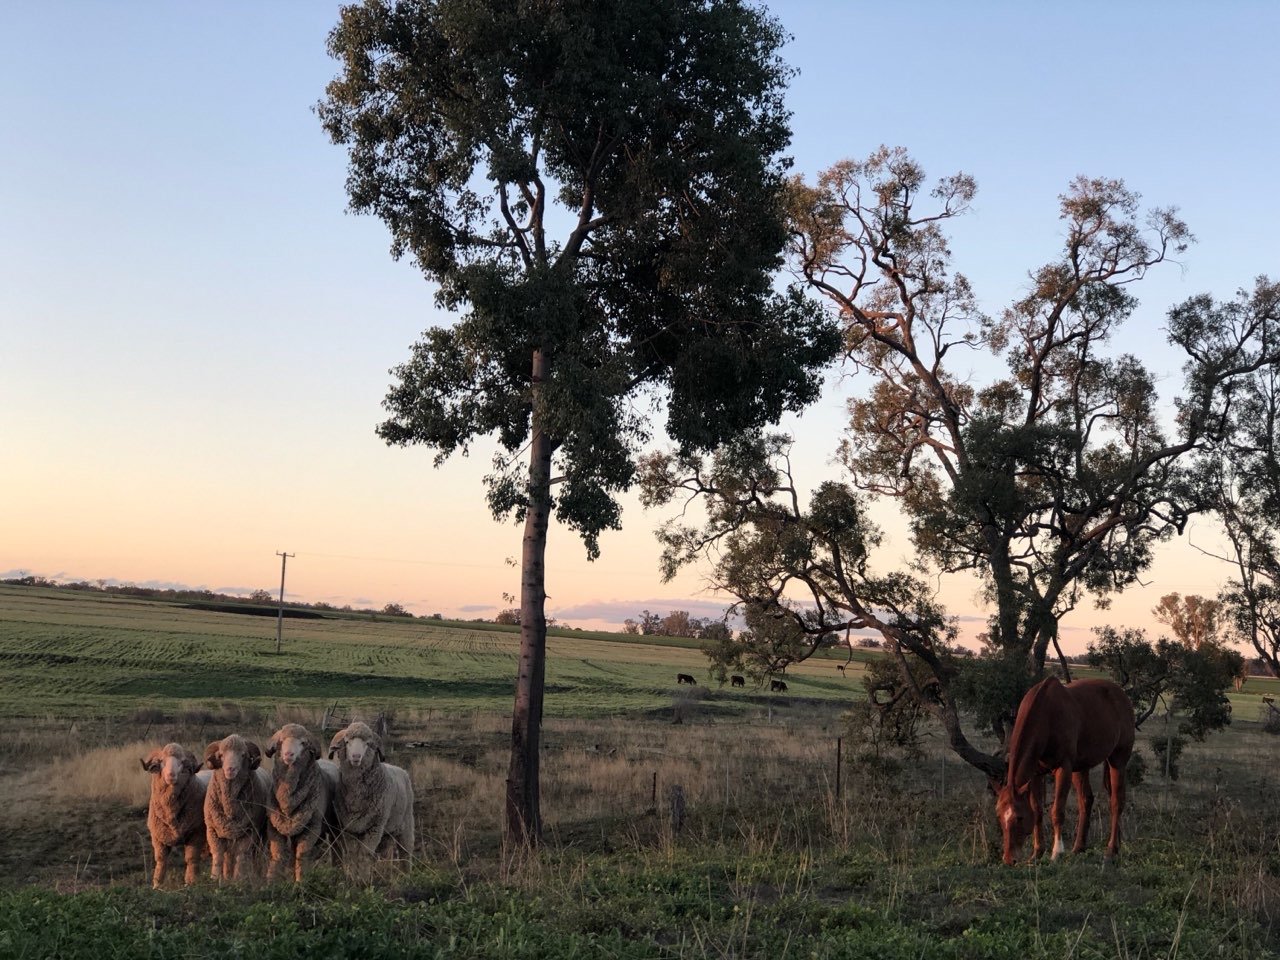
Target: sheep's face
{"points": [[234, 756], [361, 746], [173, 763], [293, 745]]}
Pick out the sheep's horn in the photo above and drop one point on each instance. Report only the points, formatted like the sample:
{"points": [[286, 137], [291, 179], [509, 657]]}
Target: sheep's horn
{"points": [[338, 740], [213, 755]]}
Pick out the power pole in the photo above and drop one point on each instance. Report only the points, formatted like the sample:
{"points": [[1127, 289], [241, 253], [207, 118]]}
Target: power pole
{"points": [[284, 559]]}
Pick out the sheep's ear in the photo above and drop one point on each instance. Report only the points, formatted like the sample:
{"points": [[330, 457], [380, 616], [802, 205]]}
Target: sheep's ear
{"points": [[150, 763], [312, 745], [213, 755], [336, 743], [254, 754]]}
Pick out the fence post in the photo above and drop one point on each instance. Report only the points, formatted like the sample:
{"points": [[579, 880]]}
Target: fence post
{"points": [[838, 757]]}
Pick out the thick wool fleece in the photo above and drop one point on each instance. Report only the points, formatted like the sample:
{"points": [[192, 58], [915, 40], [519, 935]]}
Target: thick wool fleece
{"points": [[300, 812]]}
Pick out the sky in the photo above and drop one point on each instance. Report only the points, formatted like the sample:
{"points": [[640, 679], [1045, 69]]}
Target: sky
{"points": [[195, 336]]}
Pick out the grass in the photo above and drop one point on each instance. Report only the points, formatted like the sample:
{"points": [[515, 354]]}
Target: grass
{"points": [[767, 863]]}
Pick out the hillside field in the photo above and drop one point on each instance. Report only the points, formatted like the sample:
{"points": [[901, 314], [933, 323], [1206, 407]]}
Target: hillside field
{"points": [[770, 861]]}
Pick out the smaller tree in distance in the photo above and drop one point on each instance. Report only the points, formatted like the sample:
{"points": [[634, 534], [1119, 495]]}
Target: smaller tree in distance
{"points": [[261, 596], [1193, 619], [1190, 681]]}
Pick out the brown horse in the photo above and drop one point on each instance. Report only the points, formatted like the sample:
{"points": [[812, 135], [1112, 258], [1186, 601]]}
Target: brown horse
{"points": [[1066, 730]]}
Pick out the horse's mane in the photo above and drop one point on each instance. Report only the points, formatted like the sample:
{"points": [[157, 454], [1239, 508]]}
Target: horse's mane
{"points": [[1028, 709]]}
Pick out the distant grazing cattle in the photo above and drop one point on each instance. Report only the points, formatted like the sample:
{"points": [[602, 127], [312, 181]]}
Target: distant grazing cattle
{"points": [[777, 686], [840, 667], [737, 681], [685, 678]]}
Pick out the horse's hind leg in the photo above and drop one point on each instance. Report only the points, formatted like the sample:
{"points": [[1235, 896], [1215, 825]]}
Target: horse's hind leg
{"points": [[1084, 803], [1115, 774]]}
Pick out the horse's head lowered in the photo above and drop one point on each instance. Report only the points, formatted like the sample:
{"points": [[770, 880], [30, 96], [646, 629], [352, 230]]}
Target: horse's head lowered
{"points": [[1013, 810]]}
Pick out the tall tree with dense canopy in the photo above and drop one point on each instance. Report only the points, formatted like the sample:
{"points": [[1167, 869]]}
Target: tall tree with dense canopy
{"points": [[1050, 482], [597, 188]]}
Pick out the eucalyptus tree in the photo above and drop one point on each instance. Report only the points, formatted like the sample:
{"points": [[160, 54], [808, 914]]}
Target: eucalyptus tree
{"points": [[597, 189], [1051, 481], [1242, 476]]}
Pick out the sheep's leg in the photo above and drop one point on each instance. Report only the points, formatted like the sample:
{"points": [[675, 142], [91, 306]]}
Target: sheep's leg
{"points": [[191, 853], [161, 854], [215, 857], [243, 853], [278, 848], [306, 850]]}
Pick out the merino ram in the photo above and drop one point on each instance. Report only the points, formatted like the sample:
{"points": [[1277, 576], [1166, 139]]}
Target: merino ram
{"points": [[374, 806], [300, 812], [235, 805], [175, 814]]}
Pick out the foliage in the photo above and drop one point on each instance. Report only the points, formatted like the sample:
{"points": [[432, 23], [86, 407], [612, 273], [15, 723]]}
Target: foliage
{"points": [[1135, 774], [1167, 751], [1192, 681], [1052, 483], [1241, 477], [469, 125], [396, 610], [510, 616], [260, 596], [891, 723]]}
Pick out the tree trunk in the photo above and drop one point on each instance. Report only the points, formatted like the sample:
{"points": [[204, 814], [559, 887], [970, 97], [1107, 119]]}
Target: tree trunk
{"points": [[524, 818]]}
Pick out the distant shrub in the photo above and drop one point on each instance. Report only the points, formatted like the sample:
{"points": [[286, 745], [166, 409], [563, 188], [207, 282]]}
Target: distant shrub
{"points": [[1175, 745], [1136, 772], [1271, 723]]}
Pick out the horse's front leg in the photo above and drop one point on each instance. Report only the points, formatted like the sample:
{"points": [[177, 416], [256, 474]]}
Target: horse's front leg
{"points": [[1084, 804], [1035, 796], [1061, 786]]}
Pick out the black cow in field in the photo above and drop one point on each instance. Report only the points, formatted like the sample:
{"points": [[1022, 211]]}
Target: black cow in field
{"points": [[685, 678], [840, 667], [777, 686], [737, 681]]}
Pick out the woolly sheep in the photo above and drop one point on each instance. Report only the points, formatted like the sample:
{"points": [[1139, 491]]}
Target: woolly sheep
{"points": [[374, 805], [175, 814], [235, 805], [300, 811]]}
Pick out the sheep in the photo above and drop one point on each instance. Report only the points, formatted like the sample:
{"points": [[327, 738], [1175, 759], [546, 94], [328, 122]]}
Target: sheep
{"points": [[235, 805], [300, 811], [175, 814], [374, 806]]}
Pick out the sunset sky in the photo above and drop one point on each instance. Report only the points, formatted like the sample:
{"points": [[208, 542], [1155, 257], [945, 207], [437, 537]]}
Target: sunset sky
{"points": [[195, 336]]}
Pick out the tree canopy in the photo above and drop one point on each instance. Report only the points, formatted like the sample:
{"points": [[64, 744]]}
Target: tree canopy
{"points": [[1052, 483]]}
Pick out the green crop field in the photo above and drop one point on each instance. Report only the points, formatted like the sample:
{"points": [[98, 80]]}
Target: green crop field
{"points": [[771, 860], [77, 654]]}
